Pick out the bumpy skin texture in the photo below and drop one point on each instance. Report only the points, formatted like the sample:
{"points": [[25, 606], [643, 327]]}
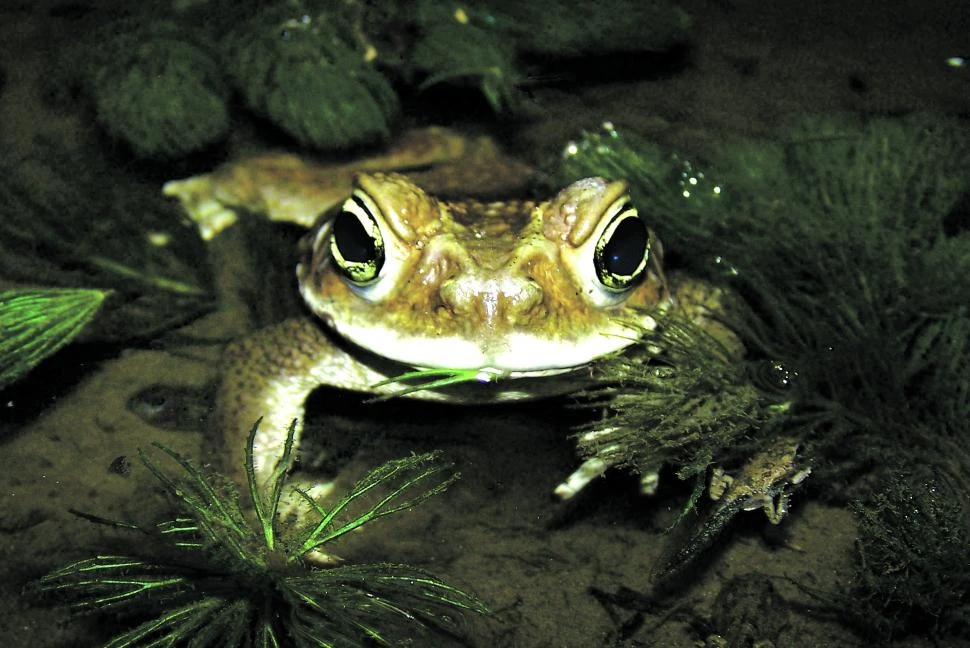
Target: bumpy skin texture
{"points": [[269, 375], [470, 285], [270, 367], [287, 188], [510, 289]]}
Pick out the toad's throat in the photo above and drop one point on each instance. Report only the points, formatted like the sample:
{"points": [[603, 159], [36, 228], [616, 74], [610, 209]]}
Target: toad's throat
{"points": [[509, 353]]}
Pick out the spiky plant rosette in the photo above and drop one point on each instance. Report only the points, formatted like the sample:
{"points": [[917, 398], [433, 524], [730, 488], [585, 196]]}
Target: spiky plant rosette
{"points": [[221, 575], [309, 75]]}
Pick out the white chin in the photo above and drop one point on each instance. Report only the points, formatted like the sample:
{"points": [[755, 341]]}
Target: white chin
{"points": [[518, 354]]}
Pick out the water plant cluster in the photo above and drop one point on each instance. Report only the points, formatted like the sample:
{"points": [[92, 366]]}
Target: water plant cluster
{"points": [[162, 79], [846, 248], [222, 573]]}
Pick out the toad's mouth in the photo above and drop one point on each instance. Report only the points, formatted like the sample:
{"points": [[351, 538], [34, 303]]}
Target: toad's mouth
{"points": [[515, 354], [419, 380]]}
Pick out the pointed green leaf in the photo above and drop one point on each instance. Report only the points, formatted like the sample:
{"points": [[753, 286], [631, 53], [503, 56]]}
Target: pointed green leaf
{"points": [[36, 322]]}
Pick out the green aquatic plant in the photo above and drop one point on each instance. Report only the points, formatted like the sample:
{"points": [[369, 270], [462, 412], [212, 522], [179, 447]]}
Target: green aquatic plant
{"points": [[911, 571], [309, 73], [156, 85], [843, 245], [681, 398], [36, 322], [421, 379], [220, 575]]}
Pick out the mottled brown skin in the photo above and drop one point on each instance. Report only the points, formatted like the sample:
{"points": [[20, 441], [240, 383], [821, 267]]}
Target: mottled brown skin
{"points": [[288, 188], [278, 355], [482, 272]]}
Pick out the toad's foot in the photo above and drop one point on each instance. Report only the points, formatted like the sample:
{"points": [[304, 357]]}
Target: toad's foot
{"points": [[595, 466]]}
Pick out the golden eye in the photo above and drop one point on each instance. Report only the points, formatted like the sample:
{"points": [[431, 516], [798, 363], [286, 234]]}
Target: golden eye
{"points": [[356, 245], [620, 255]]}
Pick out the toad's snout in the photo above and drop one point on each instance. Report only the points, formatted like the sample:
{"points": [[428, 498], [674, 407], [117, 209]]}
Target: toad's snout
{"points": [[490, 302]]}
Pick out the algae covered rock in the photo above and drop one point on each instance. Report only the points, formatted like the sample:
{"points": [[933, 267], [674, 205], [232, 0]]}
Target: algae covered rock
{"points": [[161, 79], [162, 86], [309, 77]]}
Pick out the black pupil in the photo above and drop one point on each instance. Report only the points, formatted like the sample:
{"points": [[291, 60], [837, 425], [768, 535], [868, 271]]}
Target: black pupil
{"points": [[625, 249], [354, 242]]}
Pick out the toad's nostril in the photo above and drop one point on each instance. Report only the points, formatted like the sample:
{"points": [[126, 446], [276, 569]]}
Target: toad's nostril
{"points": [[492, 301], [456, 297]]}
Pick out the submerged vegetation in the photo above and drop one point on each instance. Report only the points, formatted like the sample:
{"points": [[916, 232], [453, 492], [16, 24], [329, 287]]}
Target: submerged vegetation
{"points": [[847, 249], [697, 405], [71, 248], [913, 551], [34, 323], [310, 75], [219, 574], [329, 73]]}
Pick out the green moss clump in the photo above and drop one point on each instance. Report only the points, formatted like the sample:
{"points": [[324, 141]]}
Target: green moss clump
{"points": [[157, 88], [310, 77], [914, 546]]}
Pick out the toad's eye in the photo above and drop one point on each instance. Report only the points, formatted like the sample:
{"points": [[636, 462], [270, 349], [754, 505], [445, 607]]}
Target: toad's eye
{"points": [[620, 255], [357, 245]]}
